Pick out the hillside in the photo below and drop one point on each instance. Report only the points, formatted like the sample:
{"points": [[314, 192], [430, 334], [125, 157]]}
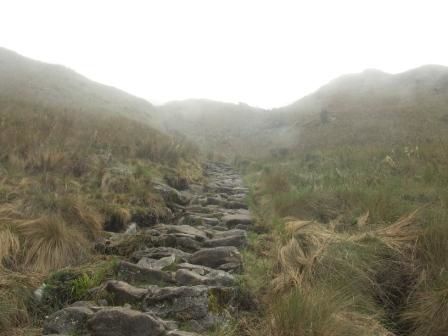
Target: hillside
{"points": [[374, 107], [56, 87], [369, 107], [77, 159], [354, 217]]}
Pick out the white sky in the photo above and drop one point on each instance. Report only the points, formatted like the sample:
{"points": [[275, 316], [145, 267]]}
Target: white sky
{"points": [[265, 53]]}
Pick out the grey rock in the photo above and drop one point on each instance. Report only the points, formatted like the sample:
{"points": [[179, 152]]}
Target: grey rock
{"points": [[242, 227], [236, 205], [160, 252], [179, 303], [220, 279], [239, 241], [132, 229], [188, 244], [157, 264], [135, 273], [70, 320], [230, 267], [201, 270], [181, 333], [171, 195], [217, 256], [39, 292], [186, 277], [232, 220], [125, 322], [183, 229], [125, 293]]}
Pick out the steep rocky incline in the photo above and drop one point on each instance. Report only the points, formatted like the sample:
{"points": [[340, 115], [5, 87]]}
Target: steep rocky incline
{"points": [[175, 276]]}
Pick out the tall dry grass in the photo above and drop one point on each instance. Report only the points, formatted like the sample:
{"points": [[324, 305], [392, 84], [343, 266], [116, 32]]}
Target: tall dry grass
{"points": [[63, 175], [367, 234]]}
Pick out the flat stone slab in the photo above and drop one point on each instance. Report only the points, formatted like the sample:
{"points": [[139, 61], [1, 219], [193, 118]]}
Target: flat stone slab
{"points": [[120, 321], [134, 273], [217, 256], [236, 219], [157, 264]]}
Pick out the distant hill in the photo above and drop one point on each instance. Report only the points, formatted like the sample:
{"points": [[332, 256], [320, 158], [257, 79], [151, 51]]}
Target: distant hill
{"points": [[54, 86], [374, 107], [224, 128], [368, 107], [371, 107]]}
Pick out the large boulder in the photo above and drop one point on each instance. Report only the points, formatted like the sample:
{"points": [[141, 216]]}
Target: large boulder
{"points": [[179, 303], [125, 322], [70, 321]]}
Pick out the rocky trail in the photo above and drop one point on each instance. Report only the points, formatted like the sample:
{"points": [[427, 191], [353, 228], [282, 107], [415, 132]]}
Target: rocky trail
{"points": [[179, 278]]}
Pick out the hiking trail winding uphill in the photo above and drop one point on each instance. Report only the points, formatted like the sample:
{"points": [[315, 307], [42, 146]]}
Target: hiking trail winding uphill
{"points": [[175, 276]]}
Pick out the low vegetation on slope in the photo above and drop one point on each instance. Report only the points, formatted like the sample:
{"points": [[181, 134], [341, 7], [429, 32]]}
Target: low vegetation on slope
{"points": [[358, 240], [353, 219], [64, 175]]}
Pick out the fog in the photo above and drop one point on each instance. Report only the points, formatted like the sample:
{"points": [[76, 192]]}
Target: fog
{"points": [[265, 53]]}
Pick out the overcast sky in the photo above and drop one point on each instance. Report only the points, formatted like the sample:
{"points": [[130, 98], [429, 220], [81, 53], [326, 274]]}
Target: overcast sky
{"points": [[265, 53]]}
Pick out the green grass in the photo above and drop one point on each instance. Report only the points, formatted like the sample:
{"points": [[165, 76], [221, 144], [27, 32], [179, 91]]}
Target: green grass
{"points": [[383, 272]]}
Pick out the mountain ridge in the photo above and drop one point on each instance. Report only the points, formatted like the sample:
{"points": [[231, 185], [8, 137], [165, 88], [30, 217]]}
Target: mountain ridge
{"points": [[352, 101]]}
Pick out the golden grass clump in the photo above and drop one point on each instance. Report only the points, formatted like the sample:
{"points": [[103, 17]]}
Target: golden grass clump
{"points": [[50, 243], [14, 294], [401, 235], [45, 231], [428, 312], [346, 268], [117, 219], [9, 244]]}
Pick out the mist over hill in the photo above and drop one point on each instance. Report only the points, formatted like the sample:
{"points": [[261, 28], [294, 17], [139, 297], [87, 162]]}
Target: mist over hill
{"points": [[53, 86], [225, 128], [371, 106]]}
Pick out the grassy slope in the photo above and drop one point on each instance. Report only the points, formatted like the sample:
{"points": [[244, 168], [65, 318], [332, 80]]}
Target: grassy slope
{"points": [[348, 253], [69, 164]]}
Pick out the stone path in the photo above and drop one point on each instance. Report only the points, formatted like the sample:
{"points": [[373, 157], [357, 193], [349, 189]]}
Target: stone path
{"points": [[176, 276]]}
